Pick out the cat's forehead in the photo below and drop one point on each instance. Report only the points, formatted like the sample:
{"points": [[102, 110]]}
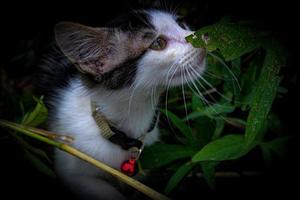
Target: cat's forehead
{"points": [[162, 21], [165, 24]]}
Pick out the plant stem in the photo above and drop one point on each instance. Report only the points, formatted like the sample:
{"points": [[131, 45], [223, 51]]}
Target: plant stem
{"points": [[20, 128], [71, 150]]}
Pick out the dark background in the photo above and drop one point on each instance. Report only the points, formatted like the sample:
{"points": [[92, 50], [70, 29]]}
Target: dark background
{"points": [[26, 28]]}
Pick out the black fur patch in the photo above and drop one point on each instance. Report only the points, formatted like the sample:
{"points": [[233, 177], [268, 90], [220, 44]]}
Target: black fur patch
{"points": [[54, 71], [132, 21], [123, 75]]}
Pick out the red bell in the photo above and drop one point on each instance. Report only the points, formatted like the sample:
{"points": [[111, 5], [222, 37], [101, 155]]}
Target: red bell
{"points": [[129, 167]]}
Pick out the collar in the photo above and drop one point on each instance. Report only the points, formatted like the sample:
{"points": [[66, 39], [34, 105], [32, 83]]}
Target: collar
{"points": [[115, 135], [118, 137]]}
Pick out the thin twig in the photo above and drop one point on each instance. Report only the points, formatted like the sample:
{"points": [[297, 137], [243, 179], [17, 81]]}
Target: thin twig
{"points": [[51, 135], [48, 134], [33, 132]]}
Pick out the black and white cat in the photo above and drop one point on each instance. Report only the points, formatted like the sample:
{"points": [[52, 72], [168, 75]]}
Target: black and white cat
{"points": [[123, 67]]}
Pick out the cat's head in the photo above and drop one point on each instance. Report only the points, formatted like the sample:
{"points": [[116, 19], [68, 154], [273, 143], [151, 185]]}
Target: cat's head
{"points": [[146, 48]]}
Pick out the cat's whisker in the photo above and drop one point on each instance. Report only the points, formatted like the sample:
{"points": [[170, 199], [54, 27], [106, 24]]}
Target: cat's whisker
{"points": [[174, 65], [195, 73], [203, 98], [169, 82], [170, 79], [213, 88], [212, 75], [209, 91], [164, 4], [208, 84], [183, 94], [198, 93], [155, 93], [167, 93], [173, 8], [227, 67], [187, 81], [153, 97], [131, 97], [213, 109]]}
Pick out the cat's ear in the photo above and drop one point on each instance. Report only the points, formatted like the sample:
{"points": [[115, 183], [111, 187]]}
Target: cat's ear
{"points": [[90, 49]]}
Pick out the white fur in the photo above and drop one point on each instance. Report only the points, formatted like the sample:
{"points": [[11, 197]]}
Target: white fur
{"points": [[131, 110], [74, 118]]}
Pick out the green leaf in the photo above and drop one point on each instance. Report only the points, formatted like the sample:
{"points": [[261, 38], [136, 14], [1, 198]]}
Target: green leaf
{"points": [[196, 103], [232, 83], [160, 154], [282, 90], [240, 123], [28, 147], [37, 116], [211, 111], [205, 128], [180, 124], [226, 148], [267, 155], [274, 123], [214, 72], [39, 152], [265, 92], [194, 115], [218, 109], [277, 145], [232, 40], [209, 169], [249, 82], [220, 123], [39, 164], [178, 176], [35, 150]]}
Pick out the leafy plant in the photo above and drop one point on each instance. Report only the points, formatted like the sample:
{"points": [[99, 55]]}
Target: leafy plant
{"points": [[226, 113], [241, 83], [34, 115]]}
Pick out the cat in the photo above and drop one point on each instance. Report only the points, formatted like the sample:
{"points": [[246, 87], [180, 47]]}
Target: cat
{"points": [[123, 67]]}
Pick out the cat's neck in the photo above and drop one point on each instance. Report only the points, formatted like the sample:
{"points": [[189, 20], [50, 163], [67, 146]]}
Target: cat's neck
{"points": [[132, 109]]}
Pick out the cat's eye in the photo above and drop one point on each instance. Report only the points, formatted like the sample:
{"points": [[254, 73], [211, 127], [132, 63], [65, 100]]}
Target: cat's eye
{"points": [[159, 44]]}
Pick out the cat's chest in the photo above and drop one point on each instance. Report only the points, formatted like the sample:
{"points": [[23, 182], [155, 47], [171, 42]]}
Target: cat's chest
{"points": [[132, 117], [134, 123]]}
